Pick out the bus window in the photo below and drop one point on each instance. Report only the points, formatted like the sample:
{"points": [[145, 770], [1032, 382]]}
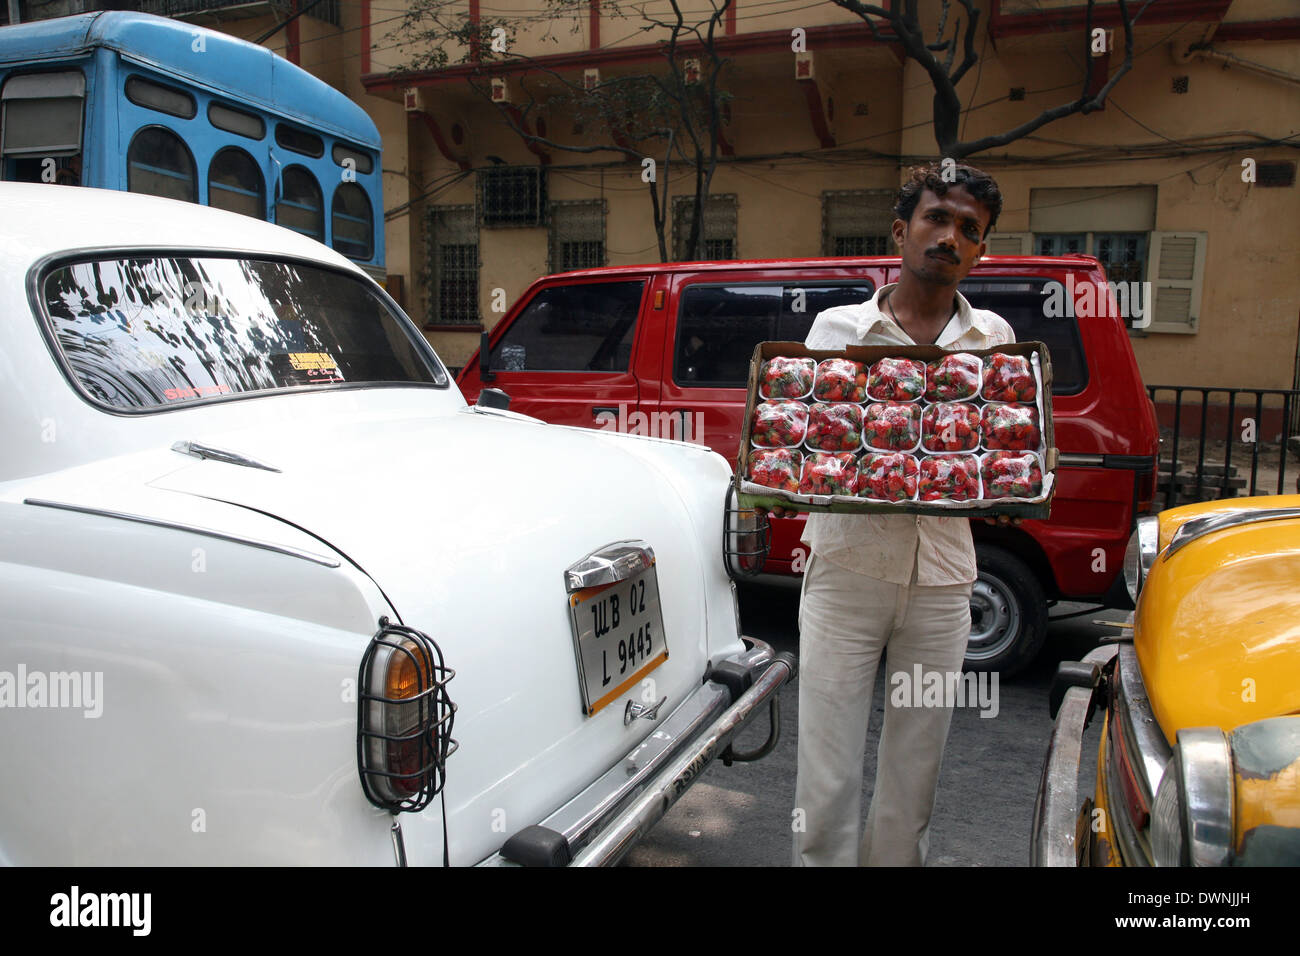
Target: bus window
{"points": [[301, 207], [299, 140], [352, 221], [236, 121], [235, 183], [361, 162], [164, 99], [40, 120], [159, 164]]}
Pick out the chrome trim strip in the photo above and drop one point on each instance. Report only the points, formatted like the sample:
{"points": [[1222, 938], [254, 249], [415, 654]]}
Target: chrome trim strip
{"points": [[695, 726], [1205, 761], [193, 529], [1139, 725], [1189, 531], [1056, 805], [196, 450], [613, 563], [1090, 461]]}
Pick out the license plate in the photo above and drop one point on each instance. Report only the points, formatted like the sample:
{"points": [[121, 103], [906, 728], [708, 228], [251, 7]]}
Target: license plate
{"points": [[618, 633]]}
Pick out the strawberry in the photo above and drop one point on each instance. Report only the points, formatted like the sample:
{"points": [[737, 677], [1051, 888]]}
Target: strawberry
{"points": [[829, 474], [950, 427], [896, 380], [835, 427], [1013, 427], [892, 426], [776, 468], [779, 424], [888, 477], [782, 377], [952, 477], [840, 380], [1008, 378], [1009, 474], [952, 378]]}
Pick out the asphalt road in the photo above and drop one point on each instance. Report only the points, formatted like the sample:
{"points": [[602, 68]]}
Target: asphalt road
{"points": [[741, 815]]}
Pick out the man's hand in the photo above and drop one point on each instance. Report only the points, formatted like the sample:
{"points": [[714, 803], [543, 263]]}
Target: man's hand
{"points": [[1004, 521], [775, 512]]}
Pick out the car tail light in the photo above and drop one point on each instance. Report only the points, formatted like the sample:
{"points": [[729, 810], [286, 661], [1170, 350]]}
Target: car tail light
{"points": [[1125, 772], [404, 719], [746, 539]]}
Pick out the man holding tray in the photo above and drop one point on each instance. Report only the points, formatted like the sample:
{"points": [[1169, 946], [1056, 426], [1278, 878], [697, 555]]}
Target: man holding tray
{"points": [[890, 584]]}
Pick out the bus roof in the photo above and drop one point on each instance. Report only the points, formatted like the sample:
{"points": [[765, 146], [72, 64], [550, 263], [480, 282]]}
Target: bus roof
{"points": [[225, 65]]}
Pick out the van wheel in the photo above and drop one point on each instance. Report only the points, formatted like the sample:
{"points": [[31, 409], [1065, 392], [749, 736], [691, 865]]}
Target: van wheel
{"points": [[1008, 613]]}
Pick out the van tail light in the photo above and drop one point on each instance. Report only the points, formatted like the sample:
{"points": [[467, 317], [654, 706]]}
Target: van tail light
{"points": [[1146, 489], [404, 719], [746, 538]]}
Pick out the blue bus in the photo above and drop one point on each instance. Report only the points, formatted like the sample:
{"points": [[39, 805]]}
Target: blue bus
{"points": [[145, 104]]}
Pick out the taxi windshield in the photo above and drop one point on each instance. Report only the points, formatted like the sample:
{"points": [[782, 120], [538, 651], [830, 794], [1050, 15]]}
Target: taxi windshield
{"points": [[151, 332]]}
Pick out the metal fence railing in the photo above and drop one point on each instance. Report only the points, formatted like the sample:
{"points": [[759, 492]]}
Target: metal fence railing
{"points": [[1212, 427]]}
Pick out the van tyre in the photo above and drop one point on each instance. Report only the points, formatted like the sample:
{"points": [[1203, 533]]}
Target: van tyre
{"points": [[1008, 613]]}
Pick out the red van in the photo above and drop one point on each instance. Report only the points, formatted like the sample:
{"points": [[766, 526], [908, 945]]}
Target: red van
{"points": [[665, 349]]}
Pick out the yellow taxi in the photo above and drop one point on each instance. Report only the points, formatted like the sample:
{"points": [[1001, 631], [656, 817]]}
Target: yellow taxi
{"points": [[1199, 761]]}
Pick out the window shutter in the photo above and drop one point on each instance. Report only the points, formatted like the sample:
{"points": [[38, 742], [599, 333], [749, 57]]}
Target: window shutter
{"points": [[1010, 244], [1175, 271]]}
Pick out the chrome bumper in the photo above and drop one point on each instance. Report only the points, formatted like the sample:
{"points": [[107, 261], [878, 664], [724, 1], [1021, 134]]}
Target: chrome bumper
{"points": [[601, 824], [1056, 807]]}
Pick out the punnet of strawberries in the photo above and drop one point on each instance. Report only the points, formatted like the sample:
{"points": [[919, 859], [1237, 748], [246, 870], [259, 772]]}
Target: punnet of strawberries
{"points": [[953, 378], [892, 426], [786, 377], [834, 427], [829, 473], [888, 477], [779, 424], [950, 426], [776, 468], [896, 380], [840, 380], [952, 477], [1008, 378], [1010, 474], [1010, 427]]}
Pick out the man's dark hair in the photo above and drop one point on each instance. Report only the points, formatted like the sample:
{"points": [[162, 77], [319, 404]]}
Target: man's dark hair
{"points": [[982, 187]]}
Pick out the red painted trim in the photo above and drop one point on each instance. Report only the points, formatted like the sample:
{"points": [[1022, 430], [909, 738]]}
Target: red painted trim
{"points": [[365, 36], [729, 19], [593, 24], [768, 41], [475, 20], [817, 113], [1076, 17], [441, 142], [291, 52], [535, 148], [1287, 29]]}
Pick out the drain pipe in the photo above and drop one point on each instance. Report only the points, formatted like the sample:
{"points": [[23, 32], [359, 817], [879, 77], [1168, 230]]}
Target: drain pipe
{"points": [[1185, 52]]}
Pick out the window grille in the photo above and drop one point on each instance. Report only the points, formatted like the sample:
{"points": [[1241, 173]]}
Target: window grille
{"points": [[576, 239], [512, 196], [452, 271], [857, 222], [717, 232]]}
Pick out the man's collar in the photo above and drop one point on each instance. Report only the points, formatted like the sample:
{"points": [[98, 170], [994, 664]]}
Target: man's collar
{"points": [[873, 318]]}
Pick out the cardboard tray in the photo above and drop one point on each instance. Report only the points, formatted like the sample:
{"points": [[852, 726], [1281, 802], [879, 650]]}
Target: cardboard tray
{"points": [[1040, 507]]}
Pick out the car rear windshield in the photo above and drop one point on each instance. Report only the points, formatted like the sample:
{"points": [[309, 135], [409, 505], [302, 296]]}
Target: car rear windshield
{"points": [[155, 332], [1020, 302]]}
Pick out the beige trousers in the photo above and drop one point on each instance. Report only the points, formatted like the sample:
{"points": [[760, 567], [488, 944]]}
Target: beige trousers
{"points": [[846, 622]]}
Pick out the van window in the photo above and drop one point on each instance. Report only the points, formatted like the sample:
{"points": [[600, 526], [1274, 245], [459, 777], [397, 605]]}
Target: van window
{"points": [[718, 326], [1020, 302], [586, 327]]}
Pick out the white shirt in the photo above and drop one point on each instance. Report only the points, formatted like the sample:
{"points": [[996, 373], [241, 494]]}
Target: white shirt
{"points": [[891, 547]]}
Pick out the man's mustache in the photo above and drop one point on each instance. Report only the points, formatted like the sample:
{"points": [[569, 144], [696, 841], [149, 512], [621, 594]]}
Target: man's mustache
{"points": [[943, 254]]}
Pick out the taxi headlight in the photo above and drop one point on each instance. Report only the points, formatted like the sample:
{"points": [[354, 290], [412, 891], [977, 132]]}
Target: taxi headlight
{"points": [[1191, 822], [1143, 546]]}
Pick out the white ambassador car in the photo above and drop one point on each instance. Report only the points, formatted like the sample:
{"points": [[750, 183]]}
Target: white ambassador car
{"points": [[270, 591]]}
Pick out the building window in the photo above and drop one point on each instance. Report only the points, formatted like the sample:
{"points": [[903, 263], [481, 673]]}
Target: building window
{"points": [[301, 206], [1061, 244], [717, 232], [159, 164], [857, 222], [235, 183], [576, 239], [452, 272]]}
